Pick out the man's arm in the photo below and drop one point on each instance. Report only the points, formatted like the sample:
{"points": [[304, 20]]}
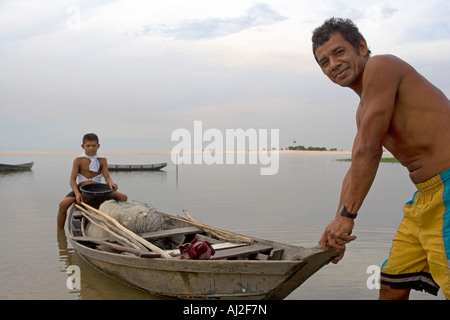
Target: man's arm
{"points": [[381, 81]]}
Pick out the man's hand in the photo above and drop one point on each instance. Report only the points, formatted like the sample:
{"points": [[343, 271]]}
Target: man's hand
{"points": [[337, 235]]}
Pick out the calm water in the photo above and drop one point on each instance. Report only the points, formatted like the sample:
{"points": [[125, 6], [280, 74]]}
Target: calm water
{"points": [[293, 206]]}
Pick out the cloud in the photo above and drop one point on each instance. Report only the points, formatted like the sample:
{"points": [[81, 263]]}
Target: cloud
{"points": [[259, 14], [132, 71]]}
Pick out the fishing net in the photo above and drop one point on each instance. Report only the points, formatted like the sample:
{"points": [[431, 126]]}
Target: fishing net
{"points": [[137, 217]]}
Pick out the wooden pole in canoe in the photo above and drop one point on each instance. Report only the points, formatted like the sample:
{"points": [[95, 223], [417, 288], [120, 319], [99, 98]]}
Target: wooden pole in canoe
{"points": [[226, 235], [130, 233], [120, 248], [103, 224]]}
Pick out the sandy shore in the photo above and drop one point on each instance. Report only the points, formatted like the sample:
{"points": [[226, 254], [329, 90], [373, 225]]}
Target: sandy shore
{"points": [[283, 152], [75, 153]]}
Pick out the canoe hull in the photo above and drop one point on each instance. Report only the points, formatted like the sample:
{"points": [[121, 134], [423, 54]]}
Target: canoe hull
{"points": [[210, 279], [136, 167], [16, 167], [193, 279]]}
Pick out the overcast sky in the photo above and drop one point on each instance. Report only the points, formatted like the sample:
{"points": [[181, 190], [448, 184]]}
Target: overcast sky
{"points": [[135, 71]]}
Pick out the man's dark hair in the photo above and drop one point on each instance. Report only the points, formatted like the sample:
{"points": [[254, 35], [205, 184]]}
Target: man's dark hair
{"points": [[90, 137], [346, 27]]}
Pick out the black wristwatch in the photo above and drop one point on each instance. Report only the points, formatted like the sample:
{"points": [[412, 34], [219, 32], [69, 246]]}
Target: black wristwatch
{"points": [[347, 214]]}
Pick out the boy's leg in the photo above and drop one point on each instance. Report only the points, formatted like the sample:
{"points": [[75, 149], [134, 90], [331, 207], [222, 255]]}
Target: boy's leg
{"points": [[120, 196], [64, 205]]}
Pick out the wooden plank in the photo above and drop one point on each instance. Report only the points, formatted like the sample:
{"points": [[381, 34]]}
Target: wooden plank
{"points": [[76, 224], [276, 254], [240, 251], [260, 256], [209, 239], [77, 215], [226, 245], [90, 239], [170, 233]]}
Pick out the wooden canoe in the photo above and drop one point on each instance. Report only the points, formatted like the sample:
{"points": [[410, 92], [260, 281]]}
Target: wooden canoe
{"points": [[136, 167], [16, 167], [260, 270]]}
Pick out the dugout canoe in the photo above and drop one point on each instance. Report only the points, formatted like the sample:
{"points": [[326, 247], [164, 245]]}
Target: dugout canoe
{"points": [[136, 167], [244, 270], [16, 167]]}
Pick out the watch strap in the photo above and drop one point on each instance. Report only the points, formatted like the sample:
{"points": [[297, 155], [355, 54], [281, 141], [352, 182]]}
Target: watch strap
{"points": [[347, 214]]}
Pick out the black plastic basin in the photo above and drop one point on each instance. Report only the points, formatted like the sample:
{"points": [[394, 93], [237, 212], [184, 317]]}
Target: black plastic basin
{"points": [[94, 194]]}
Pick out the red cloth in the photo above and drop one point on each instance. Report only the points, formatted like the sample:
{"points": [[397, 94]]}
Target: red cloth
{"points": [[197, 250]]}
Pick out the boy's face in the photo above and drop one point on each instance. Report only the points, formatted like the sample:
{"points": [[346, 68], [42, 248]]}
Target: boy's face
{"points": [[90, 147]]}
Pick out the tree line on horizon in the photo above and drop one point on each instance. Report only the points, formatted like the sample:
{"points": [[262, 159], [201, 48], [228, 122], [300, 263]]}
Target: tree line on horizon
{"points": [[303, 148]]}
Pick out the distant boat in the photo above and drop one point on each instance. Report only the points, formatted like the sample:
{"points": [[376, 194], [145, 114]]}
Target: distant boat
{"points": [[16, 167], [136, 167]]}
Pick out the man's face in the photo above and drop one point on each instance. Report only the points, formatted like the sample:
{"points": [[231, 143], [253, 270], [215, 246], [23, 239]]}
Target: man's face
{"points": [[90, 147], [340, 61]]}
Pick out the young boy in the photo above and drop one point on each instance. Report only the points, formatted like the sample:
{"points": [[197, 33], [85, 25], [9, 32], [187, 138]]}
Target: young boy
{"points": [[87, 168]]}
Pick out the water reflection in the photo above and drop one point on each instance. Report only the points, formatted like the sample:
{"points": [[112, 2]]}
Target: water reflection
{"points": [[293, 206]]}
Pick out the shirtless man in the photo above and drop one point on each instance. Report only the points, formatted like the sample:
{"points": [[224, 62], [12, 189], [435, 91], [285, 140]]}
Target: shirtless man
{"points": [[87, 168], [403, 112]]}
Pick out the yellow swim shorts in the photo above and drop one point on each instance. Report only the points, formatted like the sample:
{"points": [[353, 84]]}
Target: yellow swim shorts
{"points": [[419, 258]]}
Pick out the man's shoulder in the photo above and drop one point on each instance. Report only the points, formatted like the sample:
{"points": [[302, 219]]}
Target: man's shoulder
{"points": [[386, 68], [386, 63]]}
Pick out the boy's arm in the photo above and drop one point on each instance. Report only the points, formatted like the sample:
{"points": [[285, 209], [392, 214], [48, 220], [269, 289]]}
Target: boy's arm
{"points": [[73, 179], [106, 174]]}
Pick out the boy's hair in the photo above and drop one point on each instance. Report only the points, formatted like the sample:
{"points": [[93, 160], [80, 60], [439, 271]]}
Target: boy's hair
{"points": [[346, 27], [90, 137]]}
